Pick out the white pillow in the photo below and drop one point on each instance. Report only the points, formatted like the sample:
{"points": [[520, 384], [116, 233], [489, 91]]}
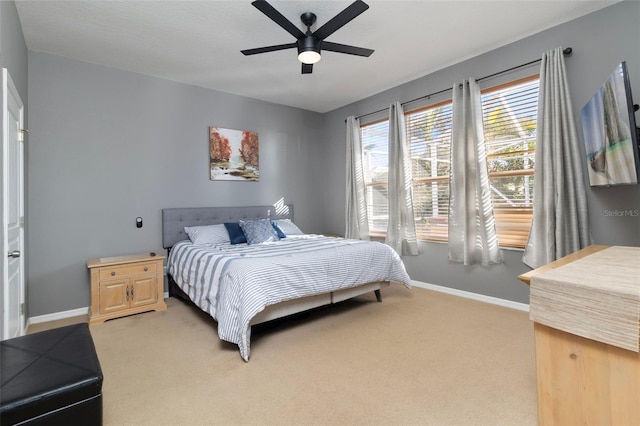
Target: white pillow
{"points": [[207, 235], [288, 227]]}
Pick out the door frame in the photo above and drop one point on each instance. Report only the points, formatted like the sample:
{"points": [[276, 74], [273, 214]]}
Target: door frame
{"points": [[8, 89]]}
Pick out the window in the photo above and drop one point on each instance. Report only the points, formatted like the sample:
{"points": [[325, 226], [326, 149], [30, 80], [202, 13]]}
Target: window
{"points": [[429, 135], [375, 150], [509, 116]]}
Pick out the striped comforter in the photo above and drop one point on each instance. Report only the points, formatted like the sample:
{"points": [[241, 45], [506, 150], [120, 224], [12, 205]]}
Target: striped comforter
{"points": [[233, 283]]}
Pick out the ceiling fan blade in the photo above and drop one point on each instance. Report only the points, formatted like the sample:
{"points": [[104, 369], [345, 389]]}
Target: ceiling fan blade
{"points": [[344, 48], [307, 68], [268, 49], [278, 18], [342, 18]]}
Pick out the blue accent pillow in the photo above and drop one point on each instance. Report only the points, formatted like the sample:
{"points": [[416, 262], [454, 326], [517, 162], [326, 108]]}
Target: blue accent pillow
{"points": [[279, 232], [258, 231], [236, 235]]}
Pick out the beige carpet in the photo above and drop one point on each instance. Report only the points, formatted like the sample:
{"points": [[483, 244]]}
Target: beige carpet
{"points": [[417, 358]]}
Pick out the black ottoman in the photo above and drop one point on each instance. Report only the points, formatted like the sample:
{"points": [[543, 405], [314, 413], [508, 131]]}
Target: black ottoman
{"points": [[51, 378]]}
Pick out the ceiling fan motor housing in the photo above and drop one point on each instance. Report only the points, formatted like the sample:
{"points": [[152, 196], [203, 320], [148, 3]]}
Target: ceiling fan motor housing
{"points": [[309, 43]]}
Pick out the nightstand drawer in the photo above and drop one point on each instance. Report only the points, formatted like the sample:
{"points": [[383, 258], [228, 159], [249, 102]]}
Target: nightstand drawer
{"points": [[124, 271]]}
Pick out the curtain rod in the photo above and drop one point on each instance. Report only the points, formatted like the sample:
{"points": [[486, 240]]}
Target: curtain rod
{"points": [[566, 52]]}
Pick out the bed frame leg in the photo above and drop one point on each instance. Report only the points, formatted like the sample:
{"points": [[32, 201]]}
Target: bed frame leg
{"points": [[171, 291], [378, 295]]}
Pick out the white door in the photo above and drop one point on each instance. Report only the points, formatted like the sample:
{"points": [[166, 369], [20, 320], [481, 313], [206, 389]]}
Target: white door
{"points": [[13, 276]]}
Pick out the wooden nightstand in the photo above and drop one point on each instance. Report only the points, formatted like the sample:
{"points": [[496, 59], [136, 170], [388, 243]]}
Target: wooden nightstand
{"points": [[125, 285]]}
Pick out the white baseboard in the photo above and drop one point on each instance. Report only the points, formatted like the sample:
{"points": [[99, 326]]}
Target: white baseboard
{"points": [[461, 293], [475, 296], [57, 316], [64, 315]]}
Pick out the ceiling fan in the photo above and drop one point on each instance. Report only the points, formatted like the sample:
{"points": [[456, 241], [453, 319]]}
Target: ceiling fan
{"points": [[311, 44]]}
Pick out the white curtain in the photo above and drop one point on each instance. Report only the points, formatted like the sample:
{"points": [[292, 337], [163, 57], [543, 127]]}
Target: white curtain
{"points": [[560, 220], [401, 228], [472, 230], [356, 212]]}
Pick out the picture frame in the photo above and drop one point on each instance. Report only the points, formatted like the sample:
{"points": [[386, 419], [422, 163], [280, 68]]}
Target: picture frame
{"points": [[234, 155]]}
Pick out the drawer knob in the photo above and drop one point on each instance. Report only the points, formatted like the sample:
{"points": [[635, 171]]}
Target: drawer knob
{"points": [[146, 269], [113, 273]]}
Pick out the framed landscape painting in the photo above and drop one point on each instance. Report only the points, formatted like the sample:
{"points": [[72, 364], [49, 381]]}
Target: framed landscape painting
{"points": [[233, 155]]}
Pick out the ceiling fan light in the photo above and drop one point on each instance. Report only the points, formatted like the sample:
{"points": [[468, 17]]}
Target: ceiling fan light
{"points": [[309, 56]]}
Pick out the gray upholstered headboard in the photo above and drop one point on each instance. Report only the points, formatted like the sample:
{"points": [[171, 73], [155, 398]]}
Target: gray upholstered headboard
{"points": [[174, 220]]}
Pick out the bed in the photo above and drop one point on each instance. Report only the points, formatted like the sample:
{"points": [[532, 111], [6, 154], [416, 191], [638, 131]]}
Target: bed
{"points": [[241, 285]]}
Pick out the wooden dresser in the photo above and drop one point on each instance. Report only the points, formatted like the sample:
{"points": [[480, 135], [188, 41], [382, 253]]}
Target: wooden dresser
{"points": [[585, 310], [125, 285]]}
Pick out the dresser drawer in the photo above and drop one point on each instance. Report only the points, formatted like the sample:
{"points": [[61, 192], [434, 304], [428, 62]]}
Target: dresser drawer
{"points": [[123, 271]]}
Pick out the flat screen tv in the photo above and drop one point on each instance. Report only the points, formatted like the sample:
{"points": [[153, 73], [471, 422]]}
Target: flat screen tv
{"points": [[610, 133]]}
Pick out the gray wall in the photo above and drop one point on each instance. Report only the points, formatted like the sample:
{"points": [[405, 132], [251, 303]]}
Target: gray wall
{"points": [[13, 50], [108, 146], [600, 41], [13, 56]]}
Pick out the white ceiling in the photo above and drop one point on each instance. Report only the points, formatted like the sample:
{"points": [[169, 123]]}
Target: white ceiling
{"points": [[199, 42]]}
